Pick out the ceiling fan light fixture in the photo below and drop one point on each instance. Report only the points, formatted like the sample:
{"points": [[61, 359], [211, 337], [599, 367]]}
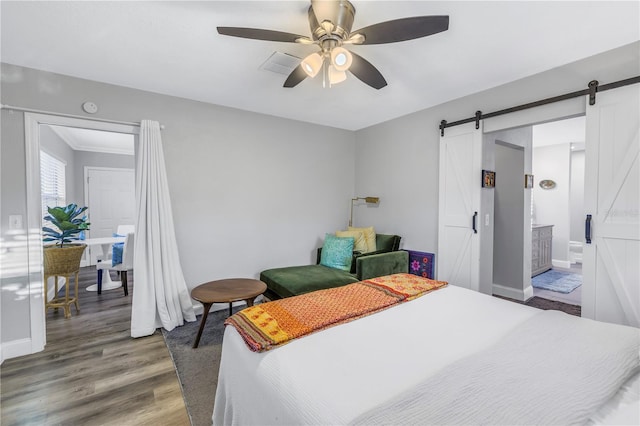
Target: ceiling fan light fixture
{"points": [[312, 64], [330, 22], [336, 76], [341, 58]]}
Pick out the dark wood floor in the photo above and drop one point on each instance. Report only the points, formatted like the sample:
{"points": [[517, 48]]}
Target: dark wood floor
{"points": [[91, 371]]}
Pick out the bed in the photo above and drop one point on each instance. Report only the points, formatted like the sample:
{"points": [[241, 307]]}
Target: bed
{"points": [[391, 366]]}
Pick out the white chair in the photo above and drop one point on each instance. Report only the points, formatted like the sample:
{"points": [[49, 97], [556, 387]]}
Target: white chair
{"points": [[122, 268], [125, 229]]}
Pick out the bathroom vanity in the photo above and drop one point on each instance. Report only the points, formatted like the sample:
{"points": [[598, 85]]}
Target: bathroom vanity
{"points": [[541, 237]]}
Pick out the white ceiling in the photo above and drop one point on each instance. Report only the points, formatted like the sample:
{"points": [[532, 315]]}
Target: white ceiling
{"points": [[96, 140], [572, 130], [173, 48]]}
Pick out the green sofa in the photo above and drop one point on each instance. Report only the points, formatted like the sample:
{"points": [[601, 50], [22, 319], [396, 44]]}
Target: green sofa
{"points": [[295, 280]]}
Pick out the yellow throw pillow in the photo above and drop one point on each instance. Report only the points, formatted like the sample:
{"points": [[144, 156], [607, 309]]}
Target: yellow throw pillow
{"points": [[369, 236], [360, 243]]}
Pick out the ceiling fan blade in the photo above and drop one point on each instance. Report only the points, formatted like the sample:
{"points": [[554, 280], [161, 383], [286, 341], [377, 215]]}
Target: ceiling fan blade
{"points": [[258, 34], [296, 76], [366, 72], [404, 29]]}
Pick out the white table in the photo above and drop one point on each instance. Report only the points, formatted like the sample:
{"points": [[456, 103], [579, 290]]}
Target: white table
{"points": [[105, 244]]}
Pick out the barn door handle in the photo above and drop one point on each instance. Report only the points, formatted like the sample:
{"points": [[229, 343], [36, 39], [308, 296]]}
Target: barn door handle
{"points": [[475, 218], [587, 229]]}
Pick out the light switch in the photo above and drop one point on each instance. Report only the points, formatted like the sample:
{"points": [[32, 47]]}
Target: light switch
{"points": [[15, 221], [486, 219]]}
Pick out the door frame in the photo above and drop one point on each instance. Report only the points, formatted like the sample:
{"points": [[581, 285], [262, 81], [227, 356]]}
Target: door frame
{"points": [[32, 122], [561, 110]]}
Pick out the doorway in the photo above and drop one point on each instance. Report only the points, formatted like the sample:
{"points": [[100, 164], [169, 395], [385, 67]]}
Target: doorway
{"points": [[558, 208], [34, 125], [98, 172], [611, 227]]}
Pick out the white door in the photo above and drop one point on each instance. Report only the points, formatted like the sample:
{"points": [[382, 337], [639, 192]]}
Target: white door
{"points": [[111, 202], [611, 266], [458, 257]]}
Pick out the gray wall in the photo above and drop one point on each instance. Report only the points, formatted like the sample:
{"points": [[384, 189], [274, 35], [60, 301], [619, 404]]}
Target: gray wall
{"points": [[508, 243], [15, 309], [551, 206], [395, 162]]}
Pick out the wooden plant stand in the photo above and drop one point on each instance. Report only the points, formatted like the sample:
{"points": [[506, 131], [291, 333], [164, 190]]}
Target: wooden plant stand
{"points": [[62, 262]]}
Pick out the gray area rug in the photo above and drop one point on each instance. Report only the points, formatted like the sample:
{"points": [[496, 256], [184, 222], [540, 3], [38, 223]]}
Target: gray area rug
{"points": [[198, 368]]}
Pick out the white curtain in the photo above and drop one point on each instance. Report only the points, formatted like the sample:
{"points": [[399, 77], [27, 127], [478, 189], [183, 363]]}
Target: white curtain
{"points": [[160, 297]]}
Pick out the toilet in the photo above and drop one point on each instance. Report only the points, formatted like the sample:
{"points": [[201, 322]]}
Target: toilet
{"points": [[575, 251]]}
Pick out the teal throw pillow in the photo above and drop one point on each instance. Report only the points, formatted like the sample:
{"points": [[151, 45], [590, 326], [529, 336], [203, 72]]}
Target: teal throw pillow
{"points": [[337, 252]]}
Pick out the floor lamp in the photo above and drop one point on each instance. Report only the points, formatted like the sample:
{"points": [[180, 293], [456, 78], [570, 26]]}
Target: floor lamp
{"points": [[369, 200]]}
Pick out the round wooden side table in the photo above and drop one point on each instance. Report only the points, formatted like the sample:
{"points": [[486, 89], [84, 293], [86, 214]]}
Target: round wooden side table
{"points": [[225, 291]]}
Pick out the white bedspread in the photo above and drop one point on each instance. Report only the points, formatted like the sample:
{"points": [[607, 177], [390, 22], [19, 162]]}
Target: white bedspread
{"points": [[336, 375], [552, 370]]}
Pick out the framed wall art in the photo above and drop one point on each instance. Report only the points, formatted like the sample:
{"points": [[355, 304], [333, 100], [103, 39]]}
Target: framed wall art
{"points": [[488, 179]]}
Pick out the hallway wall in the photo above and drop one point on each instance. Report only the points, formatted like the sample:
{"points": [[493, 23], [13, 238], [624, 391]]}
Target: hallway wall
{"points": [[551, 206]]}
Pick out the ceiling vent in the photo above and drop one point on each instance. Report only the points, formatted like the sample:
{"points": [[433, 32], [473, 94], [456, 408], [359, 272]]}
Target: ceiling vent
{"points": [[280, 63]]}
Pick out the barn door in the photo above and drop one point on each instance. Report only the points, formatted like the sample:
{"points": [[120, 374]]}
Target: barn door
{"points": [[611, 271], [458, 257]]}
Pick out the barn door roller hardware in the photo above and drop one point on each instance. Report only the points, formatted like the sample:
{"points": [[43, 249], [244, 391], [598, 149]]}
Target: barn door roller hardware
{"points": [[478, 118], [593, 88], [443, 124]]}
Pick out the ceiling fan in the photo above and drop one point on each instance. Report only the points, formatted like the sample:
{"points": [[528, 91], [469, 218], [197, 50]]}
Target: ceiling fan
{"points": [[331, 22]]}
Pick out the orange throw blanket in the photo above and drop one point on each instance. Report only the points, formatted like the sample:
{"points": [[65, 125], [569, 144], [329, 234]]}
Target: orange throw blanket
{"points": [[271, 324]]}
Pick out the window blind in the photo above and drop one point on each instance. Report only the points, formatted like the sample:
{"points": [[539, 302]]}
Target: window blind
{"points": [[52, 182]]}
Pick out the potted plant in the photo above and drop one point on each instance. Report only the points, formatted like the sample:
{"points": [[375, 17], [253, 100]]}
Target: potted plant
{"points": [[64, 256]]}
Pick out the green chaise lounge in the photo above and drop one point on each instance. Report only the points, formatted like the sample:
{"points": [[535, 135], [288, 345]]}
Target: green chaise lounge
{"points": [[295, 280]]}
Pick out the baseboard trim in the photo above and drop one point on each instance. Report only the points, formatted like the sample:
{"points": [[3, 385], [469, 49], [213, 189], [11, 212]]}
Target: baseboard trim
{"points": [[561, 263], [513, 293], [16, 348]]}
